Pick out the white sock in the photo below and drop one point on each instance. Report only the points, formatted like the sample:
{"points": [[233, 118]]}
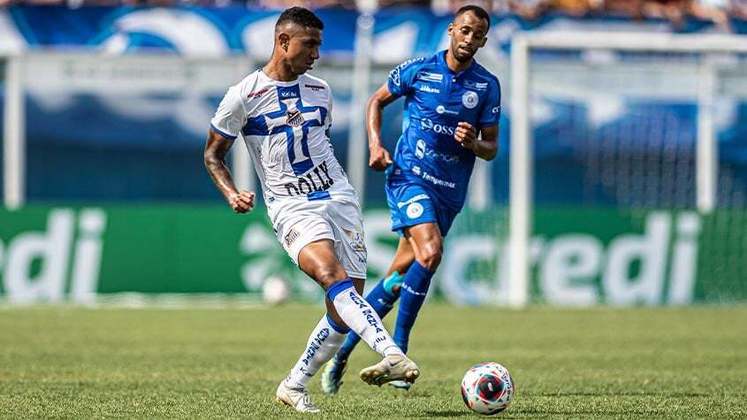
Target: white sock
{"points": [[322, 345], [361, 318]]}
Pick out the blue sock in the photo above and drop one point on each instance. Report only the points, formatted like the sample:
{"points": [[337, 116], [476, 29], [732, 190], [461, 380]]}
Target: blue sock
{"points": [[412, 295], [381, 301]]}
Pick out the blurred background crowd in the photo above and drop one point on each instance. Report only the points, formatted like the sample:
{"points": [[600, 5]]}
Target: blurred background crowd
{"points": [[717, 11]]}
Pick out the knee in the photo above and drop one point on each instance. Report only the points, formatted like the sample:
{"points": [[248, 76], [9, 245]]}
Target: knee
{"points": [[431, 255], [328, 276]]}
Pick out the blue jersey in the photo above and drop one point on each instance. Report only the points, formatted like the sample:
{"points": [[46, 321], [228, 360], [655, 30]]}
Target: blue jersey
{"points": [[436, 100]]}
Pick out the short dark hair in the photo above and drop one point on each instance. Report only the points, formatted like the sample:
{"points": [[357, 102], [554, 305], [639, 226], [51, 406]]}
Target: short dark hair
{"points": [[300, 16], [477, 10]]}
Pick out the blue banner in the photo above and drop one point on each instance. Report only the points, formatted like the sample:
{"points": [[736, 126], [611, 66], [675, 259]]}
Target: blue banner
{"points": [[215, 32]]}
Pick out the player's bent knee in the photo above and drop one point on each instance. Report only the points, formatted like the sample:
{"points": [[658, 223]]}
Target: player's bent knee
{"points": [[328, 277], [431, 256]]}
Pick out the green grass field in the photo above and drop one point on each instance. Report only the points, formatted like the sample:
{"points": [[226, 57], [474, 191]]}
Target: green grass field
{"points": [[152, 363]]}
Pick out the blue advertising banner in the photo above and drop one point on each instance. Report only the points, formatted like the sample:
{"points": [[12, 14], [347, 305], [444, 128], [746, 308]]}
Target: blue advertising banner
{"points": [[216, 32]]}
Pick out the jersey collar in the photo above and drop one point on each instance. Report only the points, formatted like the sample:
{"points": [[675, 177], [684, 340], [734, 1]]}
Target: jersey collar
{"points": [[280, 82]]}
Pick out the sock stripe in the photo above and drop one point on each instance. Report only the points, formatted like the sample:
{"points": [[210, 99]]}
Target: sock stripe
{"points": [[338, 288], [337, 327]]}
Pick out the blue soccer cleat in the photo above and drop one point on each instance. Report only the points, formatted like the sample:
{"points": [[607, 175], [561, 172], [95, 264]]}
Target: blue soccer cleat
{"points": [[405, 386], [332, 375]]}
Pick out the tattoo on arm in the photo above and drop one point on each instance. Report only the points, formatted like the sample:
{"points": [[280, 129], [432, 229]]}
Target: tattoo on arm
{"points": [[216, 149]]}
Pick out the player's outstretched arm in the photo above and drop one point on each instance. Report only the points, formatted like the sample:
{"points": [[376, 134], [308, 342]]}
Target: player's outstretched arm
{"points": [[379, 156], [216, 149], [484, 148]]}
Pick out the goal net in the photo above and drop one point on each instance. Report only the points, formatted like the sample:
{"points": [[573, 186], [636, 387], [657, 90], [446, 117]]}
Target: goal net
{"points": [[628, 171]]}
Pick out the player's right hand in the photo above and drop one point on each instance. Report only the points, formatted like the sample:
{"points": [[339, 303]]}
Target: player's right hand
{"points": [[241, 202], [379, 159]]}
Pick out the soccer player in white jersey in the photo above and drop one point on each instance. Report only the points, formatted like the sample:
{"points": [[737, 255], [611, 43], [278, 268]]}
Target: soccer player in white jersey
{"points": [[284, 116]]}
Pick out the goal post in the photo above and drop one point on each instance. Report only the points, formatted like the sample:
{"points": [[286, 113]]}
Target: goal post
{"points": [[13, 134], [701, 87]]}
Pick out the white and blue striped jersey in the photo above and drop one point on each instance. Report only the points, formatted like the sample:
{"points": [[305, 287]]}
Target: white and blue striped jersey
{"points": [[285, 126]]}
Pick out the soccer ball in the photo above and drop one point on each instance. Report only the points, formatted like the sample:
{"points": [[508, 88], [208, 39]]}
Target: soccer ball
{"points": [[487, 388], [275, 290]]}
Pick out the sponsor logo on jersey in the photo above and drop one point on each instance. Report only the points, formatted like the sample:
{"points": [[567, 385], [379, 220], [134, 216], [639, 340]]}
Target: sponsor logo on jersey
{"points": [[430, 77], [413, 199], [258, 93], [443, 110], [285, 94], [315, 88], [426, 124], [437, 181], [294, 118], [291, 237], [414, 210], [469, 84], [446, 158], [496, 109], [428, 89], [420, 149], [430, 178], [356, 240], [394, 75], [470, 99], [316, 179]]}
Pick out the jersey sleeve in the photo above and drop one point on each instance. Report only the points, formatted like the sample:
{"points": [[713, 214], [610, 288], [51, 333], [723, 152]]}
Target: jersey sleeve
{"points": [[328, 120], [402, 77], [491, 109], [230, 116]]}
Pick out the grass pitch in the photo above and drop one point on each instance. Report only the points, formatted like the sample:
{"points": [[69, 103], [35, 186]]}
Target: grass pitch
{"points": [[151, 363]]}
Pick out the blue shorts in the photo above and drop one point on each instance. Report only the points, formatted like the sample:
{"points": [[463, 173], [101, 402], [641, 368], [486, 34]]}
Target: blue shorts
{"points": [[413, 204]]}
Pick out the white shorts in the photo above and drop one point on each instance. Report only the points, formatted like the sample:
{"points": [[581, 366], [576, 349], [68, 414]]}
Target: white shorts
{"points": [[298, 223]]}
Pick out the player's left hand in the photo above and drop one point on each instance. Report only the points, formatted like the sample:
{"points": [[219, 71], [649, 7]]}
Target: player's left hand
{"points": [[465, 134]]}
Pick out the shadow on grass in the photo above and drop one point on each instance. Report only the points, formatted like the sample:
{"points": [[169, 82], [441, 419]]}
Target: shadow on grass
{"points": [[623, 394], [447, 413]]}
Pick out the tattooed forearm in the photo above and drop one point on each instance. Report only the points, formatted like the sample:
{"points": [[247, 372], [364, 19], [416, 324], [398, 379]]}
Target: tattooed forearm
{"points": [[215, 152]]}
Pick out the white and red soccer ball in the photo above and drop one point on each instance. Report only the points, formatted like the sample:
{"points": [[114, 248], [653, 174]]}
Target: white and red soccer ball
{"points": [[487, 388]]}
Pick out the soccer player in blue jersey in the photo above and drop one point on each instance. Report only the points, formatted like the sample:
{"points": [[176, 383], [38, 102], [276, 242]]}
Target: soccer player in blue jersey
{"points": [[449, 100]]}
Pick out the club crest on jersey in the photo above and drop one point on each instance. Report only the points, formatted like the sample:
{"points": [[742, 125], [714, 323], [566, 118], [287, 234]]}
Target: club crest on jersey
{"points": [[414, 210], [470, 99], [294, 118]]}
